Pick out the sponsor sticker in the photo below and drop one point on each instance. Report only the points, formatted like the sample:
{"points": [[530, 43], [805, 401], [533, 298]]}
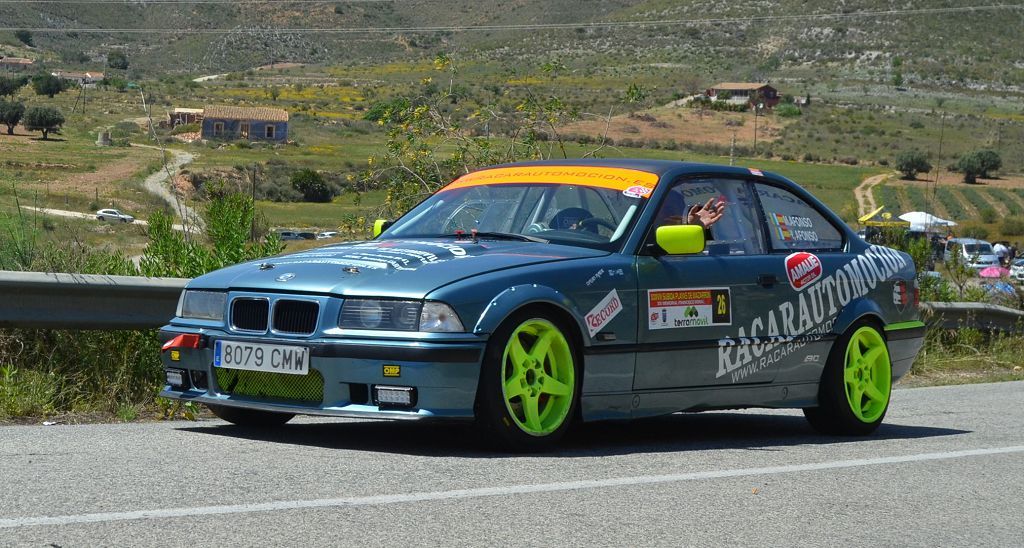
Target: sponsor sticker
{"points": [[604, 312], [392, 371], [757, 172], [684, 307], [614, 178], [802, 269], [790, 228], [637, 191]]}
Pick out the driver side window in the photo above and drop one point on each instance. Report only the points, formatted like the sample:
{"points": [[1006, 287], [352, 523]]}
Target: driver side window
{"points": [[737, 232]]}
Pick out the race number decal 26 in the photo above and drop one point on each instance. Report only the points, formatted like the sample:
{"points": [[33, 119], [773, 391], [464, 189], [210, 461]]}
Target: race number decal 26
{"points": [[685, 307]]}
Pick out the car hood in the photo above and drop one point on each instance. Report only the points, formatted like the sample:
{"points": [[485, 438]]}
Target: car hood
{"points": [[385, 268]]}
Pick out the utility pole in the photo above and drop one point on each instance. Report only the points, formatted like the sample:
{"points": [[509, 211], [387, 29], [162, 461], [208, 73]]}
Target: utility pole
{"points": [[756, 111], [252, 229], [938, 161], [732, 149]]}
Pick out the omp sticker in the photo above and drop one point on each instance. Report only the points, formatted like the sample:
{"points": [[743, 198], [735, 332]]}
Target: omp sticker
{"points": [[802, 269], [806, 317], [604, 312], [392, 371], [614, 178], [637, 191], [794, 228], [757, 172], [682, 307]]}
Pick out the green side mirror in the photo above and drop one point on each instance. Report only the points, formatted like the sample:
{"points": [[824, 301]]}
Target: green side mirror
{"points": [[380, 225], [680, 239]]}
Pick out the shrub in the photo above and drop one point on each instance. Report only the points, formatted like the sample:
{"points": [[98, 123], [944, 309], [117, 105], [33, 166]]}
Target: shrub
{"points": [[988, 215], [186, 128], [1012, 227], [912, 162], [787, 110], [975, 231], [312, 186]]}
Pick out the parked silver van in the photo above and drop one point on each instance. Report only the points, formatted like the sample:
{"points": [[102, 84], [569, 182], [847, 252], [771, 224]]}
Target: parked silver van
{"points": [[975, 253]]}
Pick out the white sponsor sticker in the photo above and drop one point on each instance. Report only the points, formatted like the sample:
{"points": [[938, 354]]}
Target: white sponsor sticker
{"points": [[604, 312], [637, 191], [688, 307]]}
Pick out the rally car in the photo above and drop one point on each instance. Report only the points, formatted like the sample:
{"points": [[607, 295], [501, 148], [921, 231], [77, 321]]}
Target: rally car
{"points": [[528, 296]]}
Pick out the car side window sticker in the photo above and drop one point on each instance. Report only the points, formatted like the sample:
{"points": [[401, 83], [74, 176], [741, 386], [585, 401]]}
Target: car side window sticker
{"points": [[795, 225]]}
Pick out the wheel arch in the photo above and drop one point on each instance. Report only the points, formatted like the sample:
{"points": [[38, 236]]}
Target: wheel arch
{"points": [[861, 309], [516, 298]]}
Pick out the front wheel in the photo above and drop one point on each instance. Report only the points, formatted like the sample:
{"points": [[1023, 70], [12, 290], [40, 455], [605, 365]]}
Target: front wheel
{"points": [[250, 418], [530, 383], [853, 396]]}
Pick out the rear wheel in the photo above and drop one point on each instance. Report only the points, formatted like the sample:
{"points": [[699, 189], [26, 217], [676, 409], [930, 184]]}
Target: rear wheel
{"points": [[530, 383], [855, 387], [250, 417]]}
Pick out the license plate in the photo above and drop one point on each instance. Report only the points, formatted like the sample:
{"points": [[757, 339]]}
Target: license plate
{"points": [[275, 358]]}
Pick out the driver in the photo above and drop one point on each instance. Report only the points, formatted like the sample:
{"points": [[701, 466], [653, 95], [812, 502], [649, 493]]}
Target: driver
{"points": [[705, 214]]}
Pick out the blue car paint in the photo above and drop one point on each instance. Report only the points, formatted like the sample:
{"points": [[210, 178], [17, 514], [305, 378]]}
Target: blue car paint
{"points": [[491, 280]]}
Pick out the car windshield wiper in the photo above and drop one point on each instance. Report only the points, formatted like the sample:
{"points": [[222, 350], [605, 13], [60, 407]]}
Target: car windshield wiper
{"points": [[500, 236]]}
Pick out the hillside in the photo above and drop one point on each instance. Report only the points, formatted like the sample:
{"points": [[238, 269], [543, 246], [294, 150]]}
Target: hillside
{"points": [[752, 40]]}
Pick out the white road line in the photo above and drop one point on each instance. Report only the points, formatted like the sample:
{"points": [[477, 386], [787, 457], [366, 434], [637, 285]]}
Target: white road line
{"points": [[495, 491]]}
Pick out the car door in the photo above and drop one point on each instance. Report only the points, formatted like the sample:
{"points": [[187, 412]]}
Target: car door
{"points": [[693, 308]]}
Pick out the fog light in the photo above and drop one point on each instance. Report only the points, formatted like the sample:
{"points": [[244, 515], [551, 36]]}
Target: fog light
{"points": [[175, 377], [394, 396]]}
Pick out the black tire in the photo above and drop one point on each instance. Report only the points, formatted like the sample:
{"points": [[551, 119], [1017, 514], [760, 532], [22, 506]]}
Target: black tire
{"points": [[494, 417], [250, 418], [834, 414], [101, 218]]}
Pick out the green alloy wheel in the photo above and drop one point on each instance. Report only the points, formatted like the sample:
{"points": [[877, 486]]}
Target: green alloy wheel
{"points": [[856, 384], [530, 384]]}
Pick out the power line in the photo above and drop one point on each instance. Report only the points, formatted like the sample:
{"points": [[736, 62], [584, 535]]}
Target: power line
{"points": [[186, 2], [529, 26]]}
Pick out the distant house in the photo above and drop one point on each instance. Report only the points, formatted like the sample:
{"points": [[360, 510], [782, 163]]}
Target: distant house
{"points": [[251, 123], [744, 92], [16, 63], [181, 116], [80, 78]]}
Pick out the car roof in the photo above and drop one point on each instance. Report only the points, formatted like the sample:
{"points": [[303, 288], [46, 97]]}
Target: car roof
{"points": [[658, 167], [968, 241]]}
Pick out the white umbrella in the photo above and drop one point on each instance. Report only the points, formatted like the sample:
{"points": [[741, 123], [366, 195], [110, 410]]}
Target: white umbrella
{"points": [[924, 222]]}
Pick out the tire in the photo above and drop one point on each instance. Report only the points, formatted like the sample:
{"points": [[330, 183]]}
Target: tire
{"points": [[101, 218], [855, 387], [530, 383], [250, 418]]}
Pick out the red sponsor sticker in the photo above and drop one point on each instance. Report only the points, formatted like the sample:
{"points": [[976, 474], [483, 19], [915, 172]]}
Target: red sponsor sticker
{"points": [[756, 172], [637, 191], [604, 312], [802, 269]]}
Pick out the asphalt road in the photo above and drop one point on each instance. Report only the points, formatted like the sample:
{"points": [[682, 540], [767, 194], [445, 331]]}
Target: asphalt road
{"points": [[947, 469]]}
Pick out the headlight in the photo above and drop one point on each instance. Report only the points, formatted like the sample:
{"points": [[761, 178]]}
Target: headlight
{"points": [[380, 314], [202, 305], [439, 317], [398, 315]]}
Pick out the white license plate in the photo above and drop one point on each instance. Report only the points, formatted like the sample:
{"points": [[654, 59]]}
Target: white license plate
{"points": [[275, 358]]}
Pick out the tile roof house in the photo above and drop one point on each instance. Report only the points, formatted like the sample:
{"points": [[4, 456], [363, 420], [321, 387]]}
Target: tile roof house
{"points": [[250, 123], [15, 63], [744, 92]]}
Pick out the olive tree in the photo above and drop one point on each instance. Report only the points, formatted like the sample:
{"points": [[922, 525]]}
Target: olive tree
{"points": [[10, 114], [912, 162], [44, 119]]}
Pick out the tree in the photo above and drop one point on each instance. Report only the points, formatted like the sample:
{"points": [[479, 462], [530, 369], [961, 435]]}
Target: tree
{"points": [[897, 79], [24, 36], [978, 163], [274, 92], [9, 85], [48, 84], [117, 60], [312, 186], [912, 162], [45, 119], [10, 114]]}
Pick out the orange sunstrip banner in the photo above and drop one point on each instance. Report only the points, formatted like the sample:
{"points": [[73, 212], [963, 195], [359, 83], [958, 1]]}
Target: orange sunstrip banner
{"points": [[631, 182]]}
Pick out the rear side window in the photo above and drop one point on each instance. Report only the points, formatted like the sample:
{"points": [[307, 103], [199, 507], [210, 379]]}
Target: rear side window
{"points": [[793, 224]]}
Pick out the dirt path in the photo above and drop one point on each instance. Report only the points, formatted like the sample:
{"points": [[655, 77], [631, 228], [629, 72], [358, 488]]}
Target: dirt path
{"points": [[865, 198], [80, 215], [155, 184]]}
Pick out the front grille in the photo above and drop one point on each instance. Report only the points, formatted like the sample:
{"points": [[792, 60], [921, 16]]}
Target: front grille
{"points": [[297, 317], [250, 314], [274, 386]]}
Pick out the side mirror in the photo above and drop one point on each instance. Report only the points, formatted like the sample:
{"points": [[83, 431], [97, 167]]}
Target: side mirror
{"points": [[380, 225], [680, 239]]}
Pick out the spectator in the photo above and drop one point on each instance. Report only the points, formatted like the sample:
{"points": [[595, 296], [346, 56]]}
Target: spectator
{"points": [[1002, 252]]}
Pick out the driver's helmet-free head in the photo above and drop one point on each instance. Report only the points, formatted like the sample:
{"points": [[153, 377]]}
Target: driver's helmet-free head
{"points": [[568, 218]]}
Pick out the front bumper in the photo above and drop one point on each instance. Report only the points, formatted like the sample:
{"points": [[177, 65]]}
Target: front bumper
{"points": [[444, 374]]}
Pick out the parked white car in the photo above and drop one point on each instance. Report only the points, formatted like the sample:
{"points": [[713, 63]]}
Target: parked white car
{"points": [[976, 254], [114, 215], [326, 235], [1017, 270]]}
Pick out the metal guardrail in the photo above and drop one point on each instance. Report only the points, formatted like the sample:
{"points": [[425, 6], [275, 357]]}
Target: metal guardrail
{"points": [[86, 301], [981, 316]]}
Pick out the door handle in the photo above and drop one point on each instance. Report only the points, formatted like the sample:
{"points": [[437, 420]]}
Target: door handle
{"points": [[767, 280]]}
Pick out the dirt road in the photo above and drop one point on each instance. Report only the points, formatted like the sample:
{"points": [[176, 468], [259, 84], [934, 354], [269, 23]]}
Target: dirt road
{"points": [[865, 199]]}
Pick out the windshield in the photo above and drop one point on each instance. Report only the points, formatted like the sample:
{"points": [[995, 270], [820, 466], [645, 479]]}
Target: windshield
{"points": [[597, 215], [980, 249]]}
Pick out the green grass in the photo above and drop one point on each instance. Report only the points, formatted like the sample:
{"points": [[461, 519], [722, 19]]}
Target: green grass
{"points": [[1004, 198], [888, 196], [954, 208], [917, 196], [327, 216]]}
